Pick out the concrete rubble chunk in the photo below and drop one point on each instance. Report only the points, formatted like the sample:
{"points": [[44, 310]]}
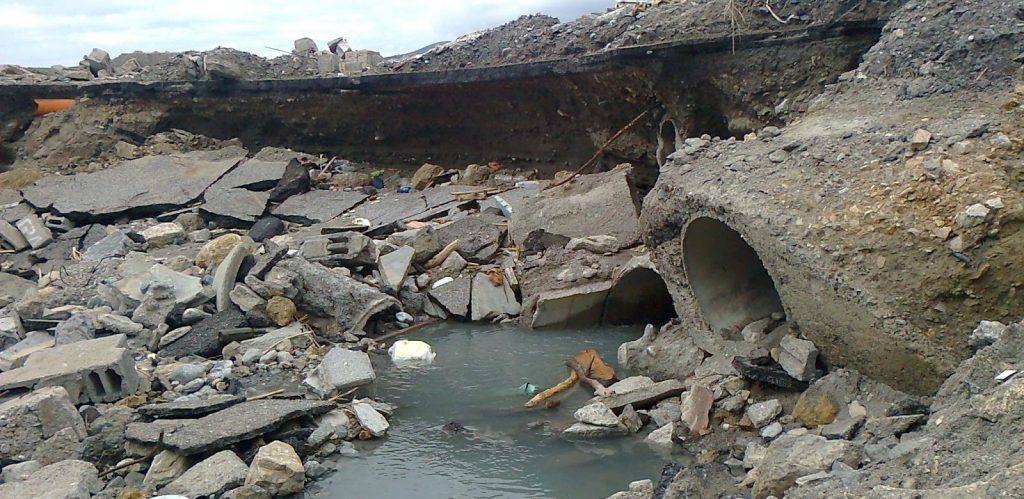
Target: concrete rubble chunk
{"points": [[598, 245], [394, 207], [662, 437], [166, 466], [762, 413], [596, 414], [797, 357], [394, 266], [100, 370], [30, 420], [490, 301], [425, 175], [277, 469], [245, 298], [148, 185], [204, 337], [19, 471], [304, 47], [454, 296], [280, 339], [631, 383], [214, 252], [34, 231], [15, 355], [695, 409], [370, 419], [424, 240], [164, 234], [14, 287], [792, 456], [188, 290], [69, 479], [226, 274], [249, 420], [212, 476], [190, 408], [577, 306], [604, 202], [643, 398], [478, 237], [317, 206], [340, 370], [587, 431], [330, 293], [12, 236]]}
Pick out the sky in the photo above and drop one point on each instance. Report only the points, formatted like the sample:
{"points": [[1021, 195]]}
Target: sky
{"points": [[41, 33]]}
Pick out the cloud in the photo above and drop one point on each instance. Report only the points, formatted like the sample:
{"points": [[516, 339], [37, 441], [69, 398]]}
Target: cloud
{"points": [[48, 32]]}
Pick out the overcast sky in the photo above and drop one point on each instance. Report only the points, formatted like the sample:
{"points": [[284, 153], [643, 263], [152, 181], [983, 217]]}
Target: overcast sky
{"points": [[48, 32]]}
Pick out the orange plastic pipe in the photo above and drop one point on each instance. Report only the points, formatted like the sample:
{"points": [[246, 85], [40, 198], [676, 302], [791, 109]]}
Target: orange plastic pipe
{"points": [[46, 106]]}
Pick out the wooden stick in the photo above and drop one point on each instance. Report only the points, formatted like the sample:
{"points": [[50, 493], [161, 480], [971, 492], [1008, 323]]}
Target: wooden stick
{"points": [[406, 330], [554, 390], [600, 151], [265, 395], [599, 389], [442, 255]]}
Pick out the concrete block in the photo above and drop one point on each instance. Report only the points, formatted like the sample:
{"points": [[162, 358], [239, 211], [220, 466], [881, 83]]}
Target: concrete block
{"points": [[31, 420], [35, 231], [340, 370], [96, 371]]}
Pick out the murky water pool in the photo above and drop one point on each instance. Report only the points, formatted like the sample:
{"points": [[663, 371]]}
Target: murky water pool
{"points": [[513, 451]]}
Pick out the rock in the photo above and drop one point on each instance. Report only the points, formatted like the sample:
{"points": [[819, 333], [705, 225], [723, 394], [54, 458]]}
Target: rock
{"points": [[490, 301], [424, 240], [987, 333], [973, 216], [695, 410], [164, 234], [771, 375], [642, 398], [204, 337], [425, 175], [790, 457], [188, 290], [317, 206], [394, 266], [119, 324], [329, 293], [340, 370], [843, 429], [596, 414], [585, 431], [280, 310], [277, 469], [894, 426], [165, 467], [478, 238], [34, 231], [754, 454], [31, 420], [631, 383], [245, 298], [266, 228], [15, 355], [190, 221], [249, 420], [18, 472], [184, 373], [79, 327], [69, 479], [370, 419], [148, 185], [762, 413], [99, 60], [15, 287], [214, 252], [662, 437], [572, 307], [190, 408], [295, 180], [227, 273], [598, 245], [303, 47], [454, 296], [797, 357], [100, 370], [815, 408], [12, 236], [602, 201], [212, 476], [538, 240], [772, 430], [920, 139], [631, 419]]}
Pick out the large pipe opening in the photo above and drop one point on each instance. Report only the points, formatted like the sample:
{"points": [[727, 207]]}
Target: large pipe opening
{"points": [[730, 283], [639, 296]]}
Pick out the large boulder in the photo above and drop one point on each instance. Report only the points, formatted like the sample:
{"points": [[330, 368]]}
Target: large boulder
{"points": [[277, 469]]}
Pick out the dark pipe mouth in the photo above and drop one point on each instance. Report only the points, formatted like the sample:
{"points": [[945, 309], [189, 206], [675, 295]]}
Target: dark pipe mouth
{"points": [[727, 276]]}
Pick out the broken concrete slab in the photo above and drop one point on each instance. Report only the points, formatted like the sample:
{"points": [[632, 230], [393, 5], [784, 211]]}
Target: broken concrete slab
{"points": [[30, 420], [330, 293], [248, 420], [145, 186], [586, 431], [100, 370], [490, 301], [190, 408], [71, 479], [642, 398], [393, 207], [394, 266], [478, 237], [15, 355], [340, 370], [454, 296], [113, 245], [598, 204], [204, 337], [317, 206], [188, 290], [238, 206], [343, 248], [213, 476], [577, 306]]}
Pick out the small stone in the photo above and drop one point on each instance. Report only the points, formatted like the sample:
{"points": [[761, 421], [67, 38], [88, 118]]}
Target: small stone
{"points": [[778, 156], [190, 222], [246, 298], [404, 317], [166, 466], [797, 357], [266, 228], [216, 250], [771, 431], [987, 333], [586, 431], [995, 203], [370, 419], [596, 414], [662, 437], [762, 413], [164, 234], [920, 139], [280, 310], [278, 469]]}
